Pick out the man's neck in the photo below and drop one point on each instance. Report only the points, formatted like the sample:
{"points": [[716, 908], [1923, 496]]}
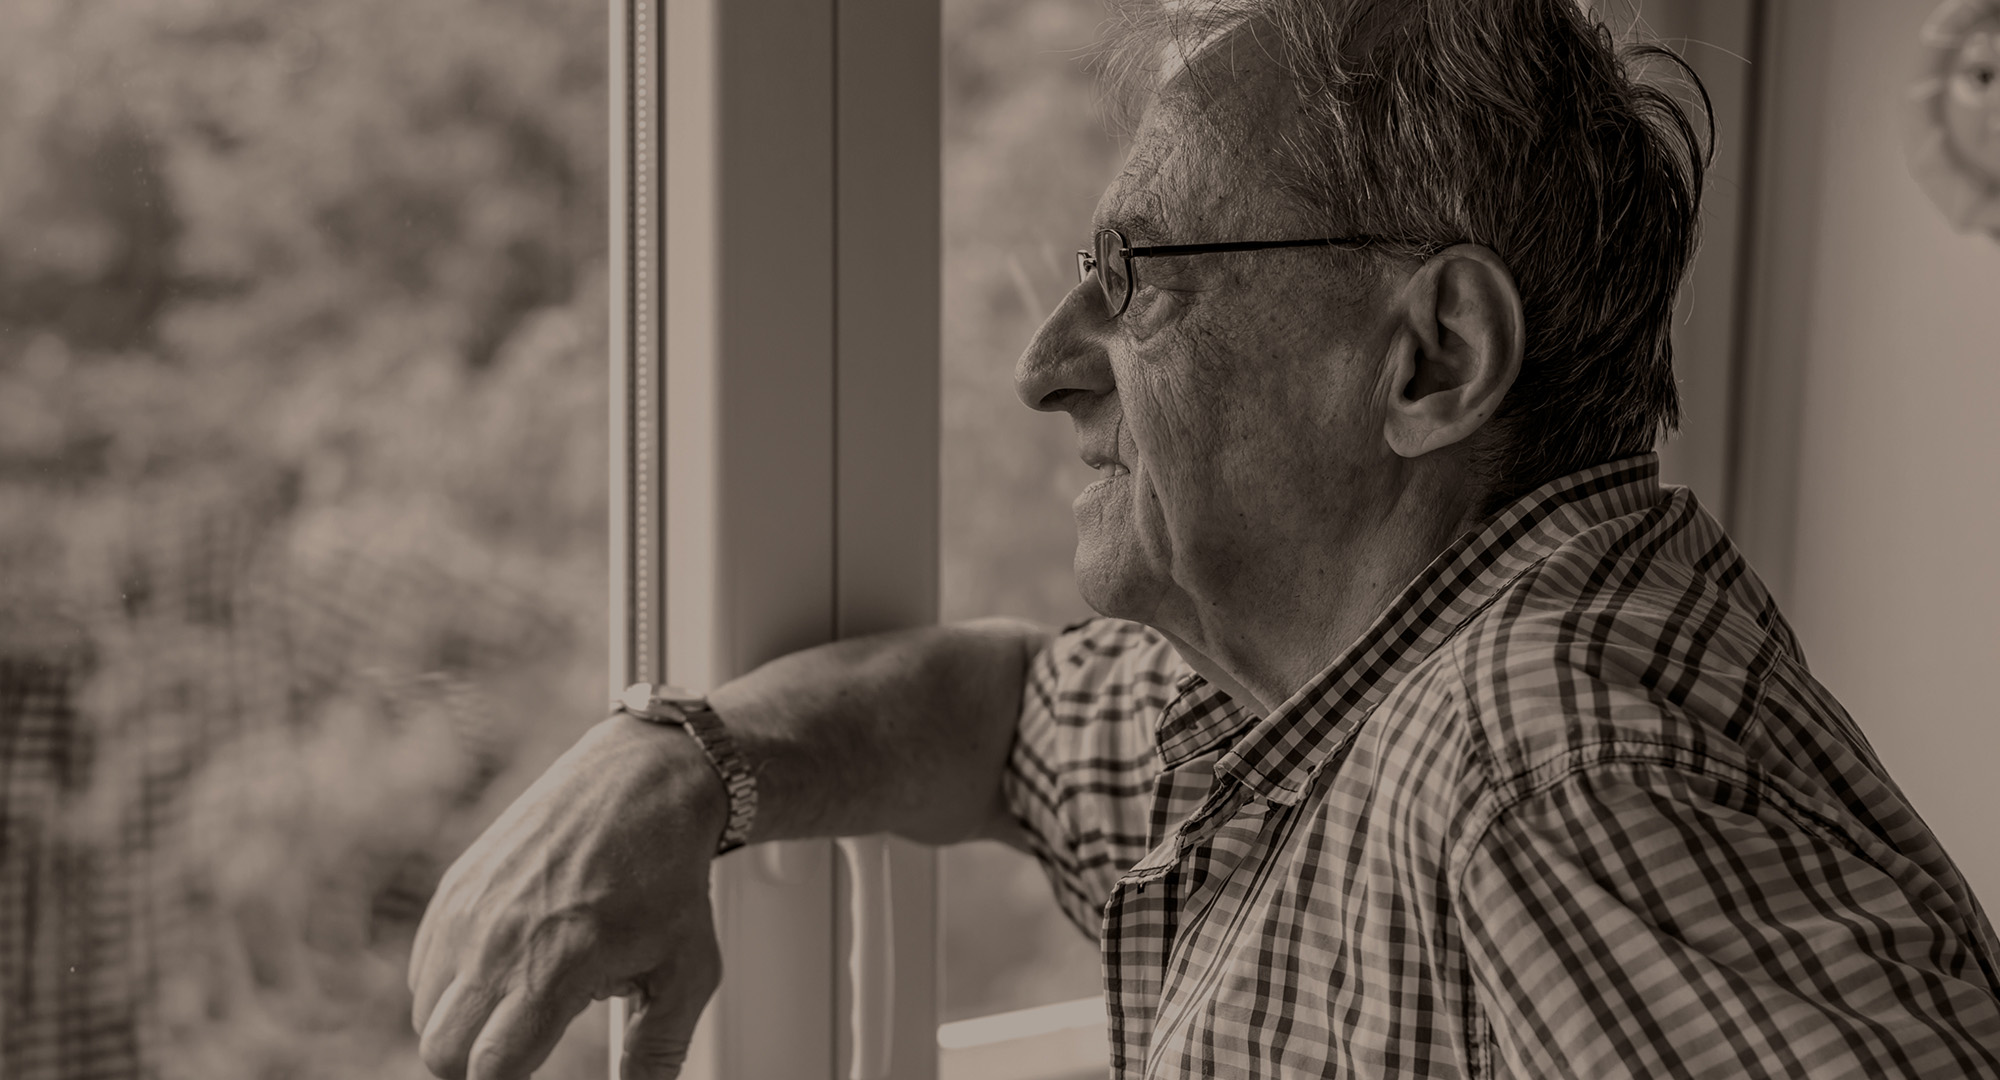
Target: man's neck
{"points": [[1272, 635]]}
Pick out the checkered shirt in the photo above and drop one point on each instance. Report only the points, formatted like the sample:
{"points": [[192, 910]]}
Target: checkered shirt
{"points": [[1571, 806]]}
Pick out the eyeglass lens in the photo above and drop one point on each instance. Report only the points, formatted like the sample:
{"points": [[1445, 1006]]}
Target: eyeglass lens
{"points": [[1113, 271]]}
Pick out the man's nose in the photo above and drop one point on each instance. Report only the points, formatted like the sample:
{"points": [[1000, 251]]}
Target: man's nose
{"points": [[1067, 363]]}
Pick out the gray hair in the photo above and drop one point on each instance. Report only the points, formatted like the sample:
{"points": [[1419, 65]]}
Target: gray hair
{"points": [[1517, 124]]}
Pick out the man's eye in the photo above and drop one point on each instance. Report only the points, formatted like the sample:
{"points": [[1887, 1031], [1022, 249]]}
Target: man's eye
{"points": [[1151, 308]]}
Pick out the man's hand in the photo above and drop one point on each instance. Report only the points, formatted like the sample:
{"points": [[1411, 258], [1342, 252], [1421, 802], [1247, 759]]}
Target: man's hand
{"points": [[593, 883]]}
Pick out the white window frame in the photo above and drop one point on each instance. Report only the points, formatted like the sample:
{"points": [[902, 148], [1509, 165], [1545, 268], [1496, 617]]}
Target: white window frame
{"points": [[775, 421]]}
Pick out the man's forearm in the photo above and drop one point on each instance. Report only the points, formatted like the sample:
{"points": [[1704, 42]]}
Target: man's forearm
{"points": [[595, 881], [906, 732]]}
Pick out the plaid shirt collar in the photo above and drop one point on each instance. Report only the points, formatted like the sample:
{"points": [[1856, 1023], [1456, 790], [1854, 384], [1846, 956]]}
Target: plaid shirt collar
{"points": [[1275, 758]]}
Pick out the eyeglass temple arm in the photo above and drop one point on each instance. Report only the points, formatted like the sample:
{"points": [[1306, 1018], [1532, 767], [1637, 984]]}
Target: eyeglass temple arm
{"points": [[1249, 245]]}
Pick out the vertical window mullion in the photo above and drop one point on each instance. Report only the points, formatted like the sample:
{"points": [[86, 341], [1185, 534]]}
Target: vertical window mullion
{"points": [[888, 177], [775, 358]]}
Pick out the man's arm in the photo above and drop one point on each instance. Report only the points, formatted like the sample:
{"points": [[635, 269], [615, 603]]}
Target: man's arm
{"points": [[595, 881], [904, 733], [1640, 917]]}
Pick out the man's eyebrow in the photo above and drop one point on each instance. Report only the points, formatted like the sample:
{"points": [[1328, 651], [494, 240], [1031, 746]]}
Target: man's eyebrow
{"points": [[1136, 223]]}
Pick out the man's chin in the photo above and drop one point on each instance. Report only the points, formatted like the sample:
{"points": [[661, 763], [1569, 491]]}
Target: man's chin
{"points": [[1112, 586]]}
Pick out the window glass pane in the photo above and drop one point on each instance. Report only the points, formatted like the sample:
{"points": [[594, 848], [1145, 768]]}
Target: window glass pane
{"points": [[1025, 157], [302, 505]]}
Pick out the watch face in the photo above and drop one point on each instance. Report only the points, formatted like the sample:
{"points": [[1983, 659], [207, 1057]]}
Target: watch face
{"points": [[637, 698]]}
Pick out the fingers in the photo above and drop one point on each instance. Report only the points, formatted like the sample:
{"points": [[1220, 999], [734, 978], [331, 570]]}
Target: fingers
{"points": [[521, 1032], [661, 1029], [427, 987], [477, 1033], [428, 980], [460, 1012]]}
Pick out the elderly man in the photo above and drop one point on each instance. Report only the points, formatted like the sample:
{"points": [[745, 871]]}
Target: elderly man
{"points": [[1428, 735]]}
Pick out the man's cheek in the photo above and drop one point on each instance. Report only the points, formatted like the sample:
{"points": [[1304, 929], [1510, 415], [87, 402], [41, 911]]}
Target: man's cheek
{"points": [[1155, 530]]}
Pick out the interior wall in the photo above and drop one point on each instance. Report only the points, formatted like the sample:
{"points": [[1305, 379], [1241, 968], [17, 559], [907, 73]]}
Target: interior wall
{"points": [[1894, 582], [1715, 38]]}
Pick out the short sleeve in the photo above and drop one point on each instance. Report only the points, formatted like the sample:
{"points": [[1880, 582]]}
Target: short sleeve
{"points": [[1080, 775], [1636, 918]]}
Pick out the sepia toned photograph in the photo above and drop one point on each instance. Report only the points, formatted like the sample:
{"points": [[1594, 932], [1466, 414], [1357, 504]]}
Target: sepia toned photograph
{"points": [[998, 539]]}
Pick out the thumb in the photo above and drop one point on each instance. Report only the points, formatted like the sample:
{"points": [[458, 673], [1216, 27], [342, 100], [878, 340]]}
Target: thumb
{"points": [[661, 1028]]}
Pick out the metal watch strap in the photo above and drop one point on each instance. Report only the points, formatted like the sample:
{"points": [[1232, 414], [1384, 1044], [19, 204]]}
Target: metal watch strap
{"points": [[692, 714]]}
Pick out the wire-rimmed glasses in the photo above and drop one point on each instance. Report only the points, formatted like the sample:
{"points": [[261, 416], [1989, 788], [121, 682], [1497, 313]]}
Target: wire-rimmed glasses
{"points": [[1110, 258]]}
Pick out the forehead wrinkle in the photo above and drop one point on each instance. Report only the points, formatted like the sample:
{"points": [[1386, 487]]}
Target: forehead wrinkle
{"points": [[1208, 165], [1136, 205], [1201, 167]]}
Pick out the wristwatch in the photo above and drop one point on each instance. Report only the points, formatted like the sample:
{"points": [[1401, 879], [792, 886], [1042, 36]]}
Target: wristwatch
{"points": [[690, 712]]}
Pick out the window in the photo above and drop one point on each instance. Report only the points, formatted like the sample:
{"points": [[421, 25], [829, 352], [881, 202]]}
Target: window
{"points": [[1025, 158], [778, 440], [302, 504]]}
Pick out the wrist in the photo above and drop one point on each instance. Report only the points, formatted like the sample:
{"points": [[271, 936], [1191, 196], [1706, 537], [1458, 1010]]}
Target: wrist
{"points": [[716, 745], [675, 774]]}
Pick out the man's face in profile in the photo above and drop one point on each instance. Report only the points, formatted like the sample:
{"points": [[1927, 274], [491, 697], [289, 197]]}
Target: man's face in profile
{"points": [[1228, 408]]}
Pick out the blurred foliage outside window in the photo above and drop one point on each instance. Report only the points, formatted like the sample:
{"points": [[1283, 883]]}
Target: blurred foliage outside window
{"points": [[303, 493], [302, 505]]}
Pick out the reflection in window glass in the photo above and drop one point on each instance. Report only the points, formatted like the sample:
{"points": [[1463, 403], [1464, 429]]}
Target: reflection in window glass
{"points": [[302, 505], [1025, 157]]}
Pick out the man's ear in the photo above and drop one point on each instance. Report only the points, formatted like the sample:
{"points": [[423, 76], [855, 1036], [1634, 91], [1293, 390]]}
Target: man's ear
{"points": [[1457, 351]]}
